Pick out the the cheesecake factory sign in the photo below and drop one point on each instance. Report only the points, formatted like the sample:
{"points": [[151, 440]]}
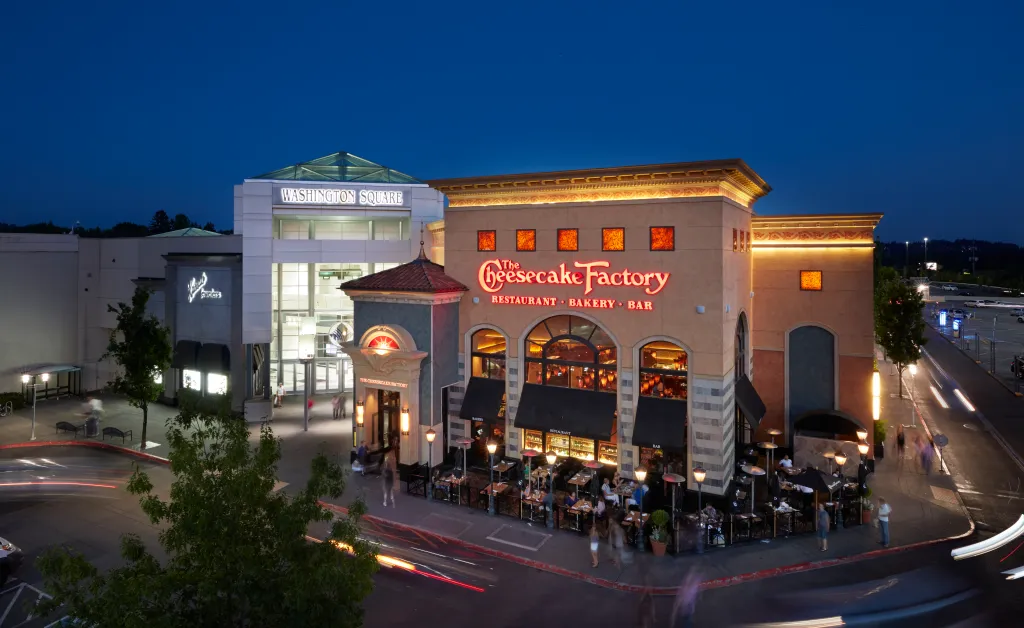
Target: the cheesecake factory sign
{"points": [[494, 275]]}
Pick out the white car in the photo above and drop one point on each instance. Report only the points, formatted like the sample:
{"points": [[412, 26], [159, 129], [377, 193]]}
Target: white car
{"points": [[949, 288], [1017, 312], [972, 304]]}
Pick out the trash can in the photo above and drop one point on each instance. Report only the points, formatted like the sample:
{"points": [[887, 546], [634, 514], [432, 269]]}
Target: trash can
{"points": [[92, 427]]}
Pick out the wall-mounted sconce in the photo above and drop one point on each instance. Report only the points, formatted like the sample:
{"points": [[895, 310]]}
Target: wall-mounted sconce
{"points": [[405, 421], [359, 413]]}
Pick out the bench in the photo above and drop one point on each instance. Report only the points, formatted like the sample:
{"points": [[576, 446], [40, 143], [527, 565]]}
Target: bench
{"points": [[64, 426], [113, 432]]}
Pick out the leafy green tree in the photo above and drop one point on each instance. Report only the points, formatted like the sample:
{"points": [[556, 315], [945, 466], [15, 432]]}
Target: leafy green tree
{"points": [[899, 323], [236, 550], [181, 221], [141, 347], [127, 230], [161, 223]]}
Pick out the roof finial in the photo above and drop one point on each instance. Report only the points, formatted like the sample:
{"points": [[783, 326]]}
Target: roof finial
{"points": [[423, 255]]}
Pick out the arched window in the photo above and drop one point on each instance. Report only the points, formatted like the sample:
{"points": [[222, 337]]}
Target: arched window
{"points": [[488, 354], [663, 368], [571, 352]]}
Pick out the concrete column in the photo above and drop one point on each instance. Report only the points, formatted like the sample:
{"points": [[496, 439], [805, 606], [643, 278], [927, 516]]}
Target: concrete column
{"points": [[712, 439]]}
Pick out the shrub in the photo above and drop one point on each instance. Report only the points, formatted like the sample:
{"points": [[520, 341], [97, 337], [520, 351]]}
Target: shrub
{"points": [[16, 398], [880, 427], [659, 526]]}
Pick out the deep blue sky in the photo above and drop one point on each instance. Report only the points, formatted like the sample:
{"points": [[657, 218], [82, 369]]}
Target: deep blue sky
{"points": [[113, 110]]}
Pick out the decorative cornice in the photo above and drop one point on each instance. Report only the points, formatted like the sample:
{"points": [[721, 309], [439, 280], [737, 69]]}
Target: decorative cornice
{"points": [[810, 231], [411, 298], [730, 178]]}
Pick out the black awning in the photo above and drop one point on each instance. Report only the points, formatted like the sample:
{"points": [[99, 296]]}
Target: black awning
{"points": [[214, 358], [186, 352], [661, 424], [583, 413], [749, 402], [484, 400], [831, 424]]}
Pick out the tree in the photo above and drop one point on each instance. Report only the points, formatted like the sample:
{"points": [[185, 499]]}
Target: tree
{"points": [[126, 230], [209, 227], [161, 223], [899, 323], [141, 346], [236, 550], [181, 221]]}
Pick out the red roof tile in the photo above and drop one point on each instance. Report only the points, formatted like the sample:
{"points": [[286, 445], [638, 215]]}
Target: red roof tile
{"points": [[419, 275]]}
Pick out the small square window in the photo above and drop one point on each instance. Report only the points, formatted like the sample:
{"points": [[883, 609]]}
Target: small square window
{"points": [[526, 239], [743, 241], [735, 239], [485, 240], [613, 239], [810, 280], [568, 239], [663, 238]]}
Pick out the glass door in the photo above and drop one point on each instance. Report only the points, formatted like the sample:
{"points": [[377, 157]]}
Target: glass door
{"points": [[388, 403]]}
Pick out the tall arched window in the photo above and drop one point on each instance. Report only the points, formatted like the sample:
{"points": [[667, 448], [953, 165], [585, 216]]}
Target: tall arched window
{"points": [[571, 352], [488, 354], [744, 434], [663, 368]]}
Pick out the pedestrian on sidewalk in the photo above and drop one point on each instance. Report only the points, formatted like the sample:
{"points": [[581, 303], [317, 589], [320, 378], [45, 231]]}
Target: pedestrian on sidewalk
{"points": [[336, 407], [280, 395], [823, 525], [594, 544], [884, 510], [388, 475], [686, 600], [901, 444], [616, 542]]}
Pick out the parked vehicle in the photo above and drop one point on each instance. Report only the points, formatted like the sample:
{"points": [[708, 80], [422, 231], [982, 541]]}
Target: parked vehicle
{"points": [[950, 288], [1020, 319], [1017, 367], [972, 304], [958, 314], [1017, 312], [11, 558]]}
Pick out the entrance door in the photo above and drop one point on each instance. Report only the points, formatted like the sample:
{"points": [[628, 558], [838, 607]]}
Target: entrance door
{"points": [[388, 404]]}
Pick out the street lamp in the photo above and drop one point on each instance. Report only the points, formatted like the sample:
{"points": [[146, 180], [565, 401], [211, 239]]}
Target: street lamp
{"points": [[25, 379], [491, 448], [431, 435], [913, 392], [862, 434], [863, 449], [840, 460], [641, 475], [698, 476], [906, 261], [551, 457], [926, 257]]}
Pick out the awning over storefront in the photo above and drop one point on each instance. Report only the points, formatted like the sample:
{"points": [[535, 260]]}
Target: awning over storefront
{"points": [[186, 353], [749, 402], [661, 424], [214, 358], [484, 400], [829, 424], [583, 413]]}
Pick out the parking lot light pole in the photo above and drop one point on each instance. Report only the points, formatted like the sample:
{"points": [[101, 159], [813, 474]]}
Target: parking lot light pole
{"points": [[30, 380], [551, 457], [699, 474], [641, 475], [926, 258], [491, 448], [431, 435]]}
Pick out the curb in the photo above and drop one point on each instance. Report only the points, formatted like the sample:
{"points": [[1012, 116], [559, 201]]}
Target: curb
{"points": [[716, 583], [88, 443]]}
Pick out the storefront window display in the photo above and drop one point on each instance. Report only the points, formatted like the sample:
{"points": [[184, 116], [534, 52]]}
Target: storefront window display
{"points": [[216, 384], [192, 380], [663, 369], [571, 352], [659, 461], [488, 354]]}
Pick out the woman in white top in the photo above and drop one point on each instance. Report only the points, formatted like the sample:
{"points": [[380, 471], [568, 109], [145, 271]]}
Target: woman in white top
{"points": [[609, 496]]}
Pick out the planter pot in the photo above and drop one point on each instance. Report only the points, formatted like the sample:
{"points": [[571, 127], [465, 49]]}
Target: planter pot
{"points": [[879, 451], [865, 517], [658, 547]]}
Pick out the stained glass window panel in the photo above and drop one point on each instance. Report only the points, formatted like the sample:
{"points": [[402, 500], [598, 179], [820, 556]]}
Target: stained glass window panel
{"points": [[485, 240], [613, 239], [568, 240], [526, 239], [663, 238]]}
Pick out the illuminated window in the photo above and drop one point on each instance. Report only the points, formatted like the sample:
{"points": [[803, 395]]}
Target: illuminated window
{"points": [[485, 240], [746, 241], [743, 241], [382, 343], [663, 238], [568, 240], [613, 239], [735, 240], [488, 354], [216, 384], [810, 280], [663, 369], [571, 352], [526, 239], [192, 380]]}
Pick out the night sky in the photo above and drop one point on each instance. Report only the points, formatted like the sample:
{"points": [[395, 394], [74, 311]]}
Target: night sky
{"points": [[113, 110]]}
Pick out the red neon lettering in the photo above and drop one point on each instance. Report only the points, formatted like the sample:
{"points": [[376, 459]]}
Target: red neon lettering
{"points": [[494, 274]]}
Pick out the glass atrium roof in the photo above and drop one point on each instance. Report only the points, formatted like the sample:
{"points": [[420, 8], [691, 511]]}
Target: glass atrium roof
{"points": [[339, 167]]}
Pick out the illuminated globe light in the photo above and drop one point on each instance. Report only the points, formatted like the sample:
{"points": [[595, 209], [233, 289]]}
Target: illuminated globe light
{"points": [[862, 434], [862, 448], [913, 369], [492, 447]]}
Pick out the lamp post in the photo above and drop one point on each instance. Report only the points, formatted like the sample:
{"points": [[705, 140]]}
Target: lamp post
{"points": [[863, 449], [431, 435], [906, 261], [551, 457], [840, 460], [698, 476], [641, 475], [491, 448], [862, 435], [926, 258], [30, 380], [913, 393]]}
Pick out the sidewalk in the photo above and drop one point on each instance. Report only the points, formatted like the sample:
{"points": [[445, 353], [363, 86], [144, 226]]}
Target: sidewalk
{"points": [[925, 507]]}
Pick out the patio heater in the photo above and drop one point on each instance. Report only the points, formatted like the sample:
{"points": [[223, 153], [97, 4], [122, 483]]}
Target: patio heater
{"points": [[431, 435], [551, 457], [840, 460], [491, 448], [698, 476], [33, 383], [641, 475]]}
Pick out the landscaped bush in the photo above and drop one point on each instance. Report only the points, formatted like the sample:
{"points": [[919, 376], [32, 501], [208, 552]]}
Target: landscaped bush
{"points": [[16, 398]]}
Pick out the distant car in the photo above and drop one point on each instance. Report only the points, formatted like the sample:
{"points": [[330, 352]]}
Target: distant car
{"points": [[950, 288], [966, 293], [11, 558], [959, 314], [972, 304]]}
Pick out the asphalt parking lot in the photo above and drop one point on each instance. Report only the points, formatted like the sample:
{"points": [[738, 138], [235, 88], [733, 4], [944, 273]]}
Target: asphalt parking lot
{"points": [[992, 336], [17, 600]]}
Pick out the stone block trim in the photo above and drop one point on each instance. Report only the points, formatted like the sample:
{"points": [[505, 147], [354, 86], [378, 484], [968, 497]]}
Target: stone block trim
{"points": [[712, 428]]}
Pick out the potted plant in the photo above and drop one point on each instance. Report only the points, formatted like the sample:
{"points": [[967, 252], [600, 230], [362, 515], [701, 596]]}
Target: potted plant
{"points": [[880, 426], [659, 532], [867, 507]]}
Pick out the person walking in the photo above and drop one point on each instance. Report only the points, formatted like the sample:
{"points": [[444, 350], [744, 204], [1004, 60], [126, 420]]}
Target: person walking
{"points": [[616, 542], [901, 445], [388, 475], [336, 407], [595, 540], [685, 604], [280, 394], [884, 510], [823, 525]]}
